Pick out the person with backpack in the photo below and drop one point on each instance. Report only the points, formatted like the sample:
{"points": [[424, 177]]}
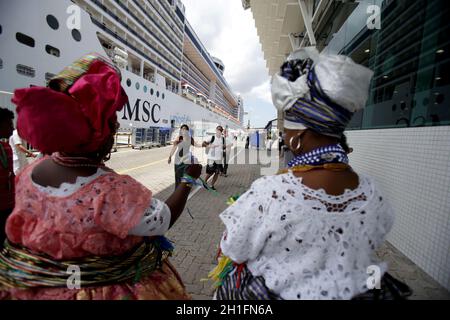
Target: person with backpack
{"points": [[226, 153], [214, 151], [182, 150]]}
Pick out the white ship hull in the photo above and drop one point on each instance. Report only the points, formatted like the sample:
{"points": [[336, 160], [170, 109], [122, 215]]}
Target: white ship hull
{"points": [[162, 109]]}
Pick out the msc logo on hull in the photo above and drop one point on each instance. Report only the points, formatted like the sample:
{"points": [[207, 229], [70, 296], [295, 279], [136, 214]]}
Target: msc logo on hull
{"points": [[149, 111]]}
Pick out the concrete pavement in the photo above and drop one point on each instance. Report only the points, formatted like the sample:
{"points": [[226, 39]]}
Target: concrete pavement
{"points": [[196, 240]]}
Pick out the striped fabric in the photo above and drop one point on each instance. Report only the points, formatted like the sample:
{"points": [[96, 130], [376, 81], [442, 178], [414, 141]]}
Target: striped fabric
{"points": [[67, 77], [316, 112], [242, 285], [239, 284], [21, 268]]}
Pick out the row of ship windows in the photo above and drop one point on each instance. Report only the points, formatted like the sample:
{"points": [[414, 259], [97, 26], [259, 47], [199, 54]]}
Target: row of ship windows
{"points": [[171, 15], [31, 72], [187, 64], [145, 89], [196, 81], [139, 36], [170, 63], [193, 74], [28, 71], [148, 11], [28, 41]]}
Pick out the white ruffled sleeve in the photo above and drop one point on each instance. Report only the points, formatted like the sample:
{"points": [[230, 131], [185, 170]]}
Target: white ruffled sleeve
{"points": [[154, 222], [246, 227]]}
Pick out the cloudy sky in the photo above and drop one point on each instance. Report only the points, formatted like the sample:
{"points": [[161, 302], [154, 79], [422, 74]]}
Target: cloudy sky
{"points": [[229, 33]]}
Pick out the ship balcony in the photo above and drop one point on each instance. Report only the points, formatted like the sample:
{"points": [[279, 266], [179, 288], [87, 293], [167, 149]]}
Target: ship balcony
{"points": [[149, 77]]}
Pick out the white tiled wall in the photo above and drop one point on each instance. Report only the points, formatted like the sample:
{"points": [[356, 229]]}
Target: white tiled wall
{"points": [[413, 168]]}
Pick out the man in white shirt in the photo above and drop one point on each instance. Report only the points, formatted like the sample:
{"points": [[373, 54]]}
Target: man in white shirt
{"points": [[226, 152], [19, 152], [215, 148]]}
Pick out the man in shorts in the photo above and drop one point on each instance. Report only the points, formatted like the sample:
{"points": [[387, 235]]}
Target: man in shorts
{"points": [[215, 149]]}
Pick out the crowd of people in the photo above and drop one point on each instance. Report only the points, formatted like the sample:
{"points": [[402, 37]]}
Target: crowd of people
{"points": [[309, 232]]}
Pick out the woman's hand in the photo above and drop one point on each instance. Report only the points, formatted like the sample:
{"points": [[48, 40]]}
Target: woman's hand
{"points": [[169, 160], [194, 170], [177, 200]]}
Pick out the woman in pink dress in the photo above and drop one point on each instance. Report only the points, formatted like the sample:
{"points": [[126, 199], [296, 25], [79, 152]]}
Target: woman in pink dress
{"points": [[79, 230]]}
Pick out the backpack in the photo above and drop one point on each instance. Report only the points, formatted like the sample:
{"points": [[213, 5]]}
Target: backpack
{"points": [[208, 148], [212, 140]]}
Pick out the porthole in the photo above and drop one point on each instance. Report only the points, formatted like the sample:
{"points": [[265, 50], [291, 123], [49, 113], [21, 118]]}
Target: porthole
{"points": [[52, 51], [128, 82], [26, 70], [52, 22], [76, 35], [145, 89], [137, 85], [157, 94], [163, 96], [394, 107], [1, 29], [1, 64], [152, 91], [24, 39], [403, 105]]}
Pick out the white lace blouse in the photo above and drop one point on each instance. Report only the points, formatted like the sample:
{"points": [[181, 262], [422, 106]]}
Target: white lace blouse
{"points": [[305, 243], [155, 220]]}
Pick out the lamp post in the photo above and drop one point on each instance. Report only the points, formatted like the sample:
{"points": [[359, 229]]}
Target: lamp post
{"points": [[248, 125]]}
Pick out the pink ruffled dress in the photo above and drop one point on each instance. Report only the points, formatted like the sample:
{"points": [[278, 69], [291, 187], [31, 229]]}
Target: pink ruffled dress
{"points": [[93, 221]]}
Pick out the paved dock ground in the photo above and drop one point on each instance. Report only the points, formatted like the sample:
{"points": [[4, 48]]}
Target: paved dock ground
{"points": [[196, 239]]}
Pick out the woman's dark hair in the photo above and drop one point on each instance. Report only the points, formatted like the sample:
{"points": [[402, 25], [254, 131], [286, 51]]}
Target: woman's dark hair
{"points": [[344, 144], [6, 114], [103, 154], [180, 138], [220, 128]]}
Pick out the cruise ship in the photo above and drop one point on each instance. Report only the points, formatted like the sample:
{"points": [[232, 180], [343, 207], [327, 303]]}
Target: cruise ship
{"points": [[402, 137], [168, 74]]}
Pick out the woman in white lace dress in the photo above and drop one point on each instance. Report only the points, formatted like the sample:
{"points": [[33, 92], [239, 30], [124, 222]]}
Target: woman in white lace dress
{"points": [[310, 232]]}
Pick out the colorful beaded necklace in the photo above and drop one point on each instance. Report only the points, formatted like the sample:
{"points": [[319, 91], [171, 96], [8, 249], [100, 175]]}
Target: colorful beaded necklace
{"points": [[332, 157], [75, 162]]}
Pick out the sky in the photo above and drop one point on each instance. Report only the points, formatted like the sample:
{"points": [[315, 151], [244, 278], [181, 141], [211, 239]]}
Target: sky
{"points": [[228, 32]]}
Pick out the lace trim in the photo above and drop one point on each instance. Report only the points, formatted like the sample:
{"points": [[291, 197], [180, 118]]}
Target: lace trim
{"points": [[302, 249], [67, 189], [320, 201]]}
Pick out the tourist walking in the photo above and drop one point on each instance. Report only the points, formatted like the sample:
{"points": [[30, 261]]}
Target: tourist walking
{"points": [[182, 150], [20, 153], [214, 149]]}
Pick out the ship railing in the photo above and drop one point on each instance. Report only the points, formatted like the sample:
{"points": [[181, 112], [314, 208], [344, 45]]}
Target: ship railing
{"points": [[127, 43]]}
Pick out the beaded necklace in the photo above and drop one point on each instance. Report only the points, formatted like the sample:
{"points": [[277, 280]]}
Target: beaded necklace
{"points": [[332, 157], [75, 162]]}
